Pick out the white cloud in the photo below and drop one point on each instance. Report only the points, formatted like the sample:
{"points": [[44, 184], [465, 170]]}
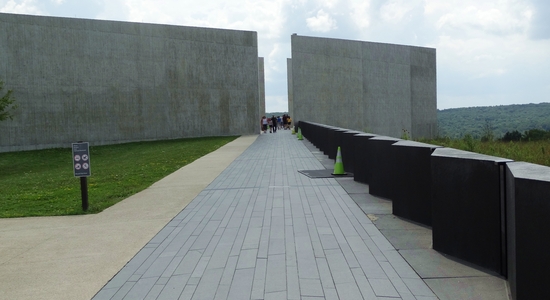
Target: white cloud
{"points": [[263, 16], [485, 55], [276, 104], [20, 7], [359, 13], [395, 11], [322, 22], [478, 17], [540, 25], [273, 58], [330, 4]]}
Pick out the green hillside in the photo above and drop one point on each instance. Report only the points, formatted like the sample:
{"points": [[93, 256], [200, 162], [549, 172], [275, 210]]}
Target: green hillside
{"points": [[476, 121]]}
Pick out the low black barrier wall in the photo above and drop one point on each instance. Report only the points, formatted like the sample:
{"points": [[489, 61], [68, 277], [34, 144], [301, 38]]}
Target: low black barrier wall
{"points": [[361, 153], [468, 207], [485, 210], [338, 138], [326, 139], [382, 166], [411, 196], [528, 229], [348, 153], [332, 142], [307, 130], [315, 135]]}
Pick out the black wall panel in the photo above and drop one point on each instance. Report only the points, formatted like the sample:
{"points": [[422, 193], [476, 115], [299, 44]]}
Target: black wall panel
{"points": [[411, 197], [468, 208]]}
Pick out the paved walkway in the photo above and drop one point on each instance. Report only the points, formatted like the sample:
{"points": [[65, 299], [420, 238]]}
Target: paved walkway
{"points": [[261, 230]]}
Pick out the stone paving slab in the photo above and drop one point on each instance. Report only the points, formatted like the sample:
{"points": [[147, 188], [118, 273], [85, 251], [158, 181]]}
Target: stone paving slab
{"points": [[261, 230]]}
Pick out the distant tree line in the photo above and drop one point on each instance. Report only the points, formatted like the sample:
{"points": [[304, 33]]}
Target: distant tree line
{"points": [[526, 122], [529, 135]]}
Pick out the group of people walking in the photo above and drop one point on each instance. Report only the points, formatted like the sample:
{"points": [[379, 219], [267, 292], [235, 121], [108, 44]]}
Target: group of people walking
{"points": [[274, 123]]}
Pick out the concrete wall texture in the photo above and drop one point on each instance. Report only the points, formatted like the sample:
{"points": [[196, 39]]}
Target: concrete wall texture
{"points": [[372, 87], [110, 82], [289, 87], [261, 80]]}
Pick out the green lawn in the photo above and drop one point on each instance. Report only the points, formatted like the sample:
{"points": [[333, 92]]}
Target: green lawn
{"points": [[41, 183]]}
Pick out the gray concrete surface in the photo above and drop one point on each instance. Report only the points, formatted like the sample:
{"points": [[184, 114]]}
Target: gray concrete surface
{"points": [[289, 87], [109, 82], [372, 87], [261, 82], [262, 230], [73, 257]]}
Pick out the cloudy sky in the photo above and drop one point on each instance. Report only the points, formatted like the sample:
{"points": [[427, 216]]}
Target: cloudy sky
{"points": [[489, 52]]}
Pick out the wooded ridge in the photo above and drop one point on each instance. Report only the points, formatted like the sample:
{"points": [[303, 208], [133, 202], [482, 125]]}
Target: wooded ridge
{"points": [[478, 121]]}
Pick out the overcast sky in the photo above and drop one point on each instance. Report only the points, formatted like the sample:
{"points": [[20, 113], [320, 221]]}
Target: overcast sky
{"points": [[489, 52]]}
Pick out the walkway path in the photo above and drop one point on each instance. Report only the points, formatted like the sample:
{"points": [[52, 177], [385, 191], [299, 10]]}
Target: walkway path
{"points": [[261, 230]]}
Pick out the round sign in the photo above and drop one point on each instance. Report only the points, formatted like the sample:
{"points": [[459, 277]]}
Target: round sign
{"points": [[77, 166], [84, 157], [77, 158], [85, 166]]}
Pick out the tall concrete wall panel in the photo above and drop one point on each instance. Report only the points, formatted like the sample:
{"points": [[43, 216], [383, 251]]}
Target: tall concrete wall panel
{"points": [[110, 82], [289, 85], [386, 86], [424, 91], [373, 87], [261, 83], [327, 77]]}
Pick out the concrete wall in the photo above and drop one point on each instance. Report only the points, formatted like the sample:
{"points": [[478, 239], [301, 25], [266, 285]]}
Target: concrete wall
{"points": [[261, 82], [289, 85], [110, 82], [373, 87]]}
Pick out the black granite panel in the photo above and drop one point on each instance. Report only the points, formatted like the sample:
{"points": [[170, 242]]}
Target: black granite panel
{"points": [[338, 137], [467, 207], [347, 147], [323, 138], [528, 229], [330, 142], [316, 133], [383, 167], [411, 196], [361, 152], [307, 131]]}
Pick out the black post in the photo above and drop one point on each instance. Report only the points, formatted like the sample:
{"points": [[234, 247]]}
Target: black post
{"points": [[84, 192]]}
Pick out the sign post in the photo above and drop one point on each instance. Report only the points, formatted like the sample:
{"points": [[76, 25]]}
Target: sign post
{"points": [[81, 168]]}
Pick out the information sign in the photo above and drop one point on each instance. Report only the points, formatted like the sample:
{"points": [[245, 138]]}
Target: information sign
{"points": [[81, 159]]}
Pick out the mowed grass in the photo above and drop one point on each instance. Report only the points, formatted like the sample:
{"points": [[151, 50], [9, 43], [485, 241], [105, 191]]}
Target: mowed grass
{"points": [[41, 183], [536, 152]]}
